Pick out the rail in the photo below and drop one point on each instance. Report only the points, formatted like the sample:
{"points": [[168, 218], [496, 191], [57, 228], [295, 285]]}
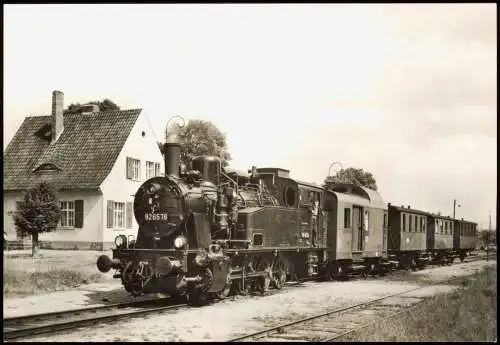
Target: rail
{"points": [[31, 325], [324, 327]]}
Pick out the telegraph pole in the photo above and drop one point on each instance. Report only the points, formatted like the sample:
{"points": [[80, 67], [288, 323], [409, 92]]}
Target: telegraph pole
{"points": [[488, 238], [454, 207]]}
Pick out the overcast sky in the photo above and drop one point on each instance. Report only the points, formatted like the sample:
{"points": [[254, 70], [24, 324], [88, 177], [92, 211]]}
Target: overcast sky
{"points": [[407, 92]]}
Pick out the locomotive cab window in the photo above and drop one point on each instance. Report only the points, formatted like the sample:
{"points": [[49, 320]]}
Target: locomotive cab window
{"points": [[289, 196]]}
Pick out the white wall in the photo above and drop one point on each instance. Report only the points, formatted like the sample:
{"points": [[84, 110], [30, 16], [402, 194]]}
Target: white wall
{"points": [[92, 218], [9, 205], [116, 186]]}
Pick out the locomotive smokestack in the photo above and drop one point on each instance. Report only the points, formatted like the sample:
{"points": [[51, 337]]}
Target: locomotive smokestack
{"points": [[172, 151]]}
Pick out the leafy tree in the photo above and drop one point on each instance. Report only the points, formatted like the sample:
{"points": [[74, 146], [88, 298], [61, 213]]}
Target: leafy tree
{"points": [[105, 105], [200, 137], [38, 212], [353, 175]]}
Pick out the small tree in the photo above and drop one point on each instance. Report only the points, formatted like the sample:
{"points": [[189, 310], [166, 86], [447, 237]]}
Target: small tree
{"points": [[38, 212]]}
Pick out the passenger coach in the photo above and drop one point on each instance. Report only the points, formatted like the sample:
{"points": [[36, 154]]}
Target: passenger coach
{"points": [[408, 236]]}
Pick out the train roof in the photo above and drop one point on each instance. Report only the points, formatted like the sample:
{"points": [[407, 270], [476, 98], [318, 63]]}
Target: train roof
{"points": [[358, 194], [310, 185], [409, 209], [433, 215], [465, 221]]}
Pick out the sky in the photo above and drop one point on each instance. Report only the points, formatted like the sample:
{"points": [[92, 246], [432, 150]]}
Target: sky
{"points": [[404, 91]]}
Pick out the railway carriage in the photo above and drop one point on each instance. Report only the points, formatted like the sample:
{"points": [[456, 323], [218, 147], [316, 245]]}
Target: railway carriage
{"points": [[440, 237], [464, 237], [408, 236], [357, 238]]}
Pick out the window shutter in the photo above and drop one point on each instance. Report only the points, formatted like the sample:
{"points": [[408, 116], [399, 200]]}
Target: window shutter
{"points": [[129, 211], [79, 214], [110, 214], [130, 171]]}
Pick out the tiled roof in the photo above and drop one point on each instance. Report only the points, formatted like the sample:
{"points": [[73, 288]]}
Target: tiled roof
{"points": [[85, 151]]}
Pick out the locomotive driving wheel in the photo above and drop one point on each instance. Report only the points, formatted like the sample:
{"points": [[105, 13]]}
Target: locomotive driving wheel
{"points": [[227, 287], [263, 282], [279, 272]]}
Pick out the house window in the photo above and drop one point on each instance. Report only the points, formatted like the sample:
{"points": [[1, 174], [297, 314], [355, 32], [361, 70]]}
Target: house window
{"points": [[133, 169], [118, 215], [150, 170], [68, 214], [347, 217]]}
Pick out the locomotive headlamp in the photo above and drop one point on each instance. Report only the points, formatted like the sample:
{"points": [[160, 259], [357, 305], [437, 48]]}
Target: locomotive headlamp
{"points": [[121, 241], [180, 242]]}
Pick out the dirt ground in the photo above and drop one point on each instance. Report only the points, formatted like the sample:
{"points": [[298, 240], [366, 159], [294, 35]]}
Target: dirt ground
{"points": [[236, 316]]}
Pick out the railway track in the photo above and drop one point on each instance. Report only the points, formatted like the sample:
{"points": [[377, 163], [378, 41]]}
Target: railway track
{"points": [[337, 323], [31, 325]]}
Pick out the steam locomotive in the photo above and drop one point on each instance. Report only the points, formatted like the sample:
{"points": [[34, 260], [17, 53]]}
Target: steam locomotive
{"points": [[212, 231]]}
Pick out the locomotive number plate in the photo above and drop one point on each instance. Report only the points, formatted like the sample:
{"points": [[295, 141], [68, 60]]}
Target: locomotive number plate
{"points": [[155, 216]]}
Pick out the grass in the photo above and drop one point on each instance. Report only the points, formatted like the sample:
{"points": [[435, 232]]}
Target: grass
{"points": [[467, 314], [53, 270], [21, 283]]}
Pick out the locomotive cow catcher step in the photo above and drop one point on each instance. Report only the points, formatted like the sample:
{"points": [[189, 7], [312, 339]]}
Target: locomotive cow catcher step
{"points": [[209, 232]]}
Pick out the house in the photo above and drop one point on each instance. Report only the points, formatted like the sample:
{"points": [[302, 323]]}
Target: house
{"points": [[95, 160]]}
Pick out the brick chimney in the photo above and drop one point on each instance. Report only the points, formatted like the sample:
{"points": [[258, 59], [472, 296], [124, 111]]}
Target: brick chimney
{"points": [[57, 115]]}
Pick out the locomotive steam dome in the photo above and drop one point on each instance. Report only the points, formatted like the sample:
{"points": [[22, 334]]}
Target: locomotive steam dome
{"points": [[209, 167]]}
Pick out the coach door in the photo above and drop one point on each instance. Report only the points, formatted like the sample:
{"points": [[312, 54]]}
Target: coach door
{"points": [[385, 229], [357, 228]]}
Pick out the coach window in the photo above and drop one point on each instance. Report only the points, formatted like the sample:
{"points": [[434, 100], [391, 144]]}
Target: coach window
{"points": [[404, 222], [416, 224], [347, 217], [410, 221]]}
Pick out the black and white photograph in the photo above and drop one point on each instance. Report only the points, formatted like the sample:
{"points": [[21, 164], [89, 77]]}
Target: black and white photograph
{"points": [[263, 172]]}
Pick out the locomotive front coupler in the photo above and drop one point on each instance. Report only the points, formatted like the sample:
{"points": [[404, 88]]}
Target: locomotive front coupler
{"points": [[105, 263]]}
